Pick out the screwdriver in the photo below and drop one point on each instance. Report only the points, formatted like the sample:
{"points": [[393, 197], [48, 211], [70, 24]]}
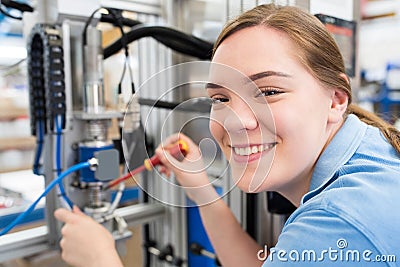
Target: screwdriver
{"points": [[178, 150]]}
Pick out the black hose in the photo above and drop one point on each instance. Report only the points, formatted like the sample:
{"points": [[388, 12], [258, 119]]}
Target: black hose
{"points": [[17, 5], [192, 105], [202, 52], [174, 39], [125, 21], [5, 13], [158, 103]]}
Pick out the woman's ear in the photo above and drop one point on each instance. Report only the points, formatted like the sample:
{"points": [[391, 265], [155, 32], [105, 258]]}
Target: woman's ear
{"points": [[339, 103]]}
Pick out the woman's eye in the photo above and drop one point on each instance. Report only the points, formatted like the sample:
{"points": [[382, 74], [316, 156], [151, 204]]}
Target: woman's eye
{"points": [[269, 91], [218, 100]]}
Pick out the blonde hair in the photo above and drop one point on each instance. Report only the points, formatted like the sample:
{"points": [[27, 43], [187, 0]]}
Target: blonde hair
{"points": [[318, 52]]}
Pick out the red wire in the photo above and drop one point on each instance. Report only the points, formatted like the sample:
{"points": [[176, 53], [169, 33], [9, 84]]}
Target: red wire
{"points": [[125, 177], [178, 149]]}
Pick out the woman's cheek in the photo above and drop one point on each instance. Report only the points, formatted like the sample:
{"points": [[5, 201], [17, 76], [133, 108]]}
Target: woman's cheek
{"points": [[216, 129]]}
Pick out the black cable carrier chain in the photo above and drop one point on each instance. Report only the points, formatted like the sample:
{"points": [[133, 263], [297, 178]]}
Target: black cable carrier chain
{"points": [[46, 76]]}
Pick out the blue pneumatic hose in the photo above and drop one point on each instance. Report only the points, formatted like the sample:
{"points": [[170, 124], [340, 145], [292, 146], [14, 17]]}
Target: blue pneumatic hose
{"points": [[58, 125], [20, 217]]}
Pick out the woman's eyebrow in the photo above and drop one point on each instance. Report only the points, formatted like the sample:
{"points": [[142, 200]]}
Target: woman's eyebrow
{"points": [[213, 86], [252, 78], [269, 73]]}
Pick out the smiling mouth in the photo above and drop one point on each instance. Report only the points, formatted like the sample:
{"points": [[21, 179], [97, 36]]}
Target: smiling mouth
{"points": [[248, 150]]}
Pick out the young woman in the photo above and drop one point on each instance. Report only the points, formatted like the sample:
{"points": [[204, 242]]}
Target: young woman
{"points": [[339, 164]]}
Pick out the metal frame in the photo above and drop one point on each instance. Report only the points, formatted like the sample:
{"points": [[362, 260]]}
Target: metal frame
{"points": [[28, 242]]}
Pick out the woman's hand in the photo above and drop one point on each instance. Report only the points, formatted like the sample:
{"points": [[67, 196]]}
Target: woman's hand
{"points": [[84, 241], [190, 172]]}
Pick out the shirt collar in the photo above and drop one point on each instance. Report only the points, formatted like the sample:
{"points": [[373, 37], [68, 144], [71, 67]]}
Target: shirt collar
{"points": [[338, 152]]}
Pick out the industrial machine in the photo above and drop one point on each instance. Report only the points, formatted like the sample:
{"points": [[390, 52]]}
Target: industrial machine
{"points": [[72, 113], [71, 121]]}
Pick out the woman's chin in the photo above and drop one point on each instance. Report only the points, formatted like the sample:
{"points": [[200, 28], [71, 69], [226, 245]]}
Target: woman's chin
{"points": [[248, 188], [249, 183]]}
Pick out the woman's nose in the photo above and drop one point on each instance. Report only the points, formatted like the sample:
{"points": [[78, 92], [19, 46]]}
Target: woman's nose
{"points": [[240, 117]]}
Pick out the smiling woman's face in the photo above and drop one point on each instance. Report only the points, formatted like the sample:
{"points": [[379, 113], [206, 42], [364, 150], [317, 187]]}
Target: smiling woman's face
{"points": [[272, 135]]}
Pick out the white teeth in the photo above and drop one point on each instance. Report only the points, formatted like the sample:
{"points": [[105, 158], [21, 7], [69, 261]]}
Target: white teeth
{"points": [[246, 151]]}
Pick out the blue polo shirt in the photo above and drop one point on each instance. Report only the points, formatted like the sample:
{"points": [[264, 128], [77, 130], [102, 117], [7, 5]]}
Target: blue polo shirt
{"points": [[351, 214]]}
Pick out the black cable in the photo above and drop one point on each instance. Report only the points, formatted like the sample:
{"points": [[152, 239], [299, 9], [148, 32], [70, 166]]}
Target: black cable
{"points": [[89, 20], [158, 103], [174, 39], [178, 41], [186, 48], [174, 43], [125, 21], [14, 5], [116, 18], [199, 106], [17, 5], [122, 77], [5, 13]]}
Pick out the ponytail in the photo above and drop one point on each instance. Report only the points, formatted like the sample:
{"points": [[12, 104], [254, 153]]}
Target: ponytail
{"points": [[388, 130]]}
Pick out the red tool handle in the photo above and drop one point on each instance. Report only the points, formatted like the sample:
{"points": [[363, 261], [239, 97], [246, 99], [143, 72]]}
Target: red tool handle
{"points": [[178, 150]]}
